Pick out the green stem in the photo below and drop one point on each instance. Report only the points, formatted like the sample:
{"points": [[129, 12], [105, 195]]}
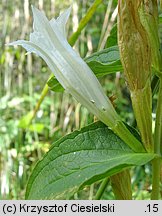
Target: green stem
{"points": [[102, 188], [121, 185], [158, 123], [156, 163], [156, 168], [84, 21], [43, 95]]}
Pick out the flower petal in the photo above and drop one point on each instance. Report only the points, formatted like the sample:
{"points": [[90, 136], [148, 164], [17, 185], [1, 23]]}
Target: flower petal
{"points": [[25, 44], [61, 21], [52, 60], [55, 40]]}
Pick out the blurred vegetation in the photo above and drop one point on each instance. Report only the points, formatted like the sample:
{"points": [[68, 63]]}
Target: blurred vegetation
{"points": [[22, 78]]}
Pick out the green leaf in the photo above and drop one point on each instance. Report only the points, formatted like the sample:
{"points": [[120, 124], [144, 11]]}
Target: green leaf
{"points": [[160, 18], [112, 39], [79, 159], [105, 62], [25, 120], [101, 63], [54, 85], [37, 127]]}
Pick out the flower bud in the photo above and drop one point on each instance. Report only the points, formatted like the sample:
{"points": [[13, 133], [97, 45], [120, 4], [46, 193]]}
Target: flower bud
{"points": [[148, 11], [135, 52]]}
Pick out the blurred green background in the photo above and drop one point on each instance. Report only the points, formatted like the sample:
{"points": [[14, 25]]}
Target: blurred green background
{"points": [[22, 78]]}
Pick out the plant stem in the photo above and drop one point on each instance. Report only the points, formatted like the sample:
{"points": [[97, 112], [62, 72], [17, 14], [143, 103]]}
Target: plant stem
{"points": [[156, 168], [34, 112], [156, 163], [91, 190], [121, 185], [84, 21], [158, 123], [102, 188]]}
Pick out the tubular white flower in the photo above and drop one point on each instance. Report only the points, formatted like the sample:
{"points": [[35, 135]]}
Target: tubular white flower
{"points": [[49, 41]]}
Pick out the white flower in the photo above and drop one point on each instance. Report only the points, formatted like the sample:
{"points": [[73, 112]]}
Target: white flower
{"points": [[49, 41]]}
